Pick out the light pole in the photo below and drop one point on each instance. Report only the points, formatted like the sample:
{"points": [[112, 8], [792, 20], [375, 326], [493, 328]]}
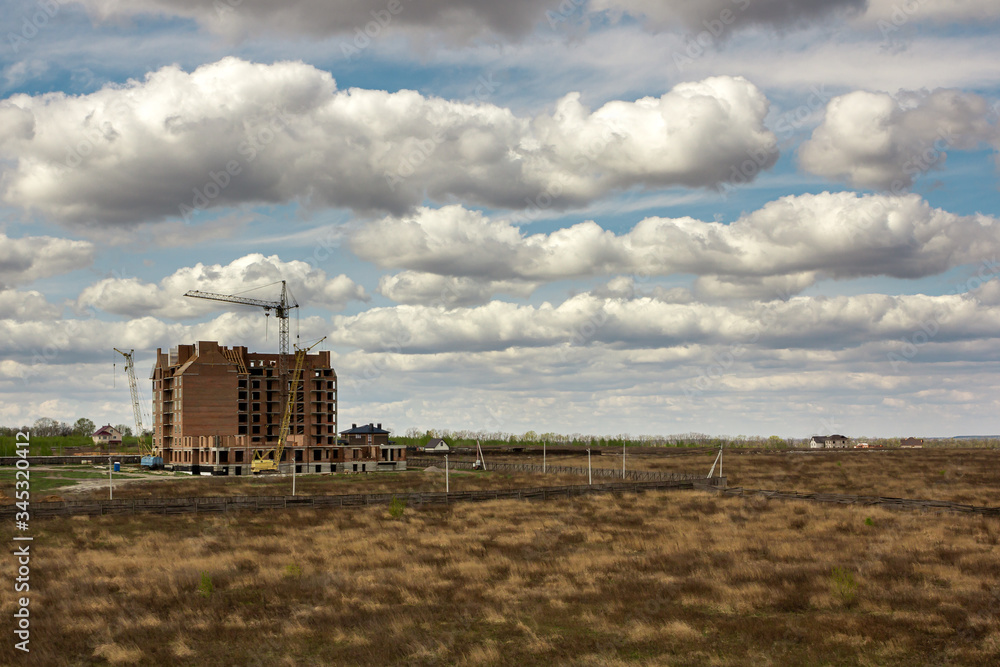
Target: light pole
{"points": [[111, 484], [590, 478], [293, 473]]}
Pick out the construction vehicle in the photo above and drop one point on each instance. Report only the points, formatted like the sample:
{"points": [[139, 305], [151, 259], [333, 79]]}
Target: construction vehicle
{"points": [[268, 460], [150, 453]]}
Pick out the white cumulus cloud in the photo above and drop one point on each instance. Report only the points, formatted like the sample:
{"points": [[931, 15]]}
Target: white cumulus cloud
{"points": [[778, 249], [235, 132], [877, 140], [134, 298]]}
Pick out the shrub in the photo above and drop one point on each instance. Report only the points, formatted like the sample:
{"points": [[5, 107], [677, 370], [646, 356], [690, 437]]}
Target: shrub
{"points": [[843, 586], [396, 508], [205, 588]]}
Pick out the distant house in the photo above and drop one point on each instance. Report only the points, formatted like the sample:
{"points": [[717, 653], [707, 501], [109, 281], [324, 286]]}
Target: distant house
{"points": [[912, 443], [367, 448], [436, 445], [107, 435], [828, 442]]}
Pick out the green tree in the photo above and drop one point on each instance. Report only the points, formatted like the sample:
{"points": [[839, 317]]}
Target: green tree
{"points": [[84, 426]]}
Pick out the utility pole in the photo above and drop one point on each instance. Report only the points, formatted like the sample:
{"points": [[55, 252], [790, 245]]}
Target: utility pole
{"points": [[111, 483], [447, 486], [590, 478], [293, 472], [623, 458], [543, 457]]}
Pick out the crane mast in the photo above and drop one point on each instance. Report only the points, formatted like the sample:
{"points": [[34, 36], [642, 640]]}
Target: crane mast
{"points": [[150, 456], [261, 461]]}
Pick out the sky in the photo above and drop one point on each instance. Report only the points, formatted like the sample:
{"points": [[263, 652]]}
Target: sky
{"points": [[732, 217]]}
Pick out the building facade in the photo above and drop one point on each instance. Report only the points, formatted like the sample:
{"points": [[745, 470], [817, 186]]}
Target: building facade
{"points": [[107, 436], [367, 448], [213, 406], [828, 442]]}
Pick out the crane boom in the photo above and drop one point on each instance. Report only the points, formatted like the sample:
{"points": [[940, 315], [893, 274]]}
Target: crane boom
{"points": [[261, 461], [150, 457]]}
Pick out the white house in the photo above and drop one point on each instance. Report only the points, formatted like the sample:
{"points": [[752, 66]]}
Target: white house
{"points": [[107, 435], [436, 445], [828, 442]]}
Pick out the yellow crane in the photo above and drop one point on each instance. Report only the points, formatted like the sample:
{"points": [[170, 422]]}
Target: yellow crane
{"points": [[150, 453], [267, 460]]}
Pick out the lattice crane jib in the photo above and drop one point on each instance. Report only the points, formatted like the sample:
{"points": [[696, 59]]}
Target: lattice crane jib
{"points": [[281, 308]]}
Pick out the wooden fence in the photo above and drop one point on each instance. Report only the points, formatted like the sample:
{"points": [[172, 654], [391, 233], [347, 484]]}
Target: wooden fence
{"points": [[41, 510], [601, 473], [881, 501], [95, 459]]}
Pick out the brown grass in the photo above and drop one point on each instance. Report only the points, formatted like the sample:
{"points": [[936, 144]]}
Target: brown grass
{"points": [[682, 578], [310, 484], [970, 476]]}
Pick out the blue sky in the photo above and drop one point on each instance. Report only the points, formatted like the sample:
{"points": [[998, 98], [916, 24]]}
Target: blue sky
{"points": [[632, 217]]}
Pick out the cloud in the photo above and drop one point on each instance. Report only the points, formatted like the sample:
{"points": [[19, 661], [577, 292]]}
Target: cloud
{"points": [[415, 287], [172, 149], [801, 322], [25, 306], [708, 14], [785, 246], [876, 140], [458, 21], [42, 343], [134, 298], [932, 11], [30, 258]]}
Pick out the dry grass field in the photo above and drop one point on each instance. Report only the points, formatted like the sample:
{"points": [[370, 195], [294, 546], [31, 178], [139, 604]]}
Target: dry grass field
{"points": [[94, 485], [970, 476], [680, 578]]}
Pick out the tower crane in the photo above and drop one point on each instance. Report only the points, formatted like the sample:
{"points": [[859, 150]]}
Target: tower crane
{"points": [[261, 461], [281, 307], [150, 453]]}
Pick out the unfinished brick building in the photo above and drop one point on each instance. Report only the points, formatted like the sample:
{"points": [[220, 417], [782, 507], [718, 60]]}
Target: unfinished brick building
{"points": [[213, 406]]}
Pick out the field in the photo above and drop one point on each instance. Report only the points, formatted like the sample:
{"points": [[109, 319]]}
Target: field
{"points": [[970, 476], [670, 577], [64, 483], [682, 577]]}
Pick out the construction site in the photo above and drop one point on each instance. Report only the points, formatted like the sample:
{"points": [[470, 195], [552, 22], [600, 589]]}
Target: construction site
{"points": [[227, 411]]}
